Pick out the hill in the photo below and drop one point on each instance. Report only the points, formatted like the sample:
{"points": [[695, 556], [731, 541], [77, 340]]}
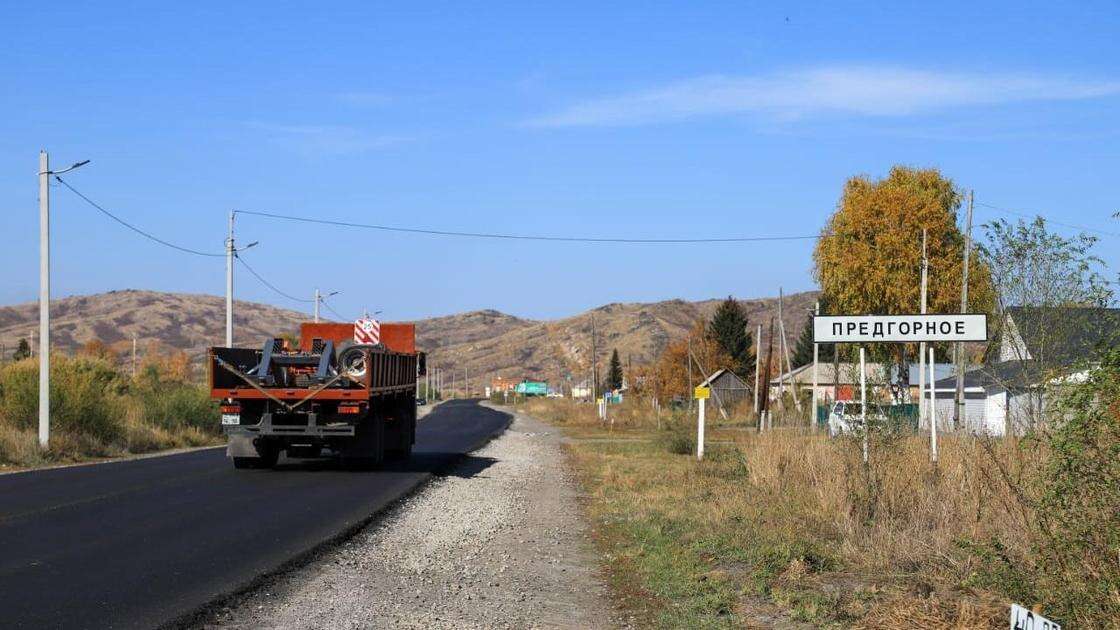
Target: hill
{"points": [[487, 343]]}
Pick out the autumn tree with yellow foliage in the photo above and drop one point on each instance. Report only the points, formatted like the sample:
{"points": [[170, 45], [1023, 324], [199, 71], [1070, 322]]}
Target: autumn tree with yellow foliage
{"points": [[667, 377], [869, 257]]}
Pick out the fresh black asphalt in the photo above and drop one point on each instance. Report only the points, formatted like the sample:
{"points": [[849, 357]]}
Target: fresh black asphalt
{"points": [[141, 543]]}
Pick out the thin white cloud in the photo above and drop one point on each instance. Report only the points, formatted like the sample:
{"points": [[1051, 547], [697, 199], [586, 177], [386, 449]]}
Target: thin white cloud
{"points": [[327, 139], [862, 91]]}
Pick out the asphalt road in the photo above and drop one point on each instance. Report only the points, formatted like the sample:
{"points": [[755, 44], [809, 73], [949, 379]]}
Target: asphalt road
{"points": [[142, 543]]}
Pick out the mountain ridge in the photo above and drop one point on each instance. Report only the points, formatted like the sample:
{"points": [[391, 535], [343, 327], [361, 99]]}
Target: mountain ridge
{"points": [[486, 342]]}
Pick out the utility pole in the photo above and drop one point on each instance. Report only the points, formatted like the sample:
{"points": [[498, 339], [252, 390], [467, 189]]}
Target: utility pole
{"points": [[816, 357], [922, 345], [757, 364], [959, 406], [785, 352], [229, 283], [594, 361], [317, 298], [45, 173], [766, 383], [44, 300]]}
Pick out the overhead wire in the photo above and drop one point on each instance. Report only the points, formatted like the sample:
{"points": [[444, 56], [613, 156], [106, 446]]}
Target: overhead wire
{"points": [[1030, 215], [268, 284], [526, 237], [128, 225], [334, 312]]}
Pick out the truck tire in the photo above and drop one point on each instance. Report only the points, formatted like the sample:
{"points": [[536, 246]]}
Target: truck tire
{"points": [[399, 442]]}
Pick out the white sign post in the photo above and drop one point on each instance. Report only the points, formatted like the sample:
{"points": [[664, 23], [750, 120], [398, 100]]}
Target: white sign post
{"points": [[700, 431], [862, 329], [899, 328], [701, 395]]}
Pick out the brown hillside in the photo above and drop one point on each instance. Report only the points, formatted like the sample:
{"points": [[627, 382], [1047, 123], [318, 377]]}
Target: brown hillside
{"points": [[488, 343], [181, 321]]}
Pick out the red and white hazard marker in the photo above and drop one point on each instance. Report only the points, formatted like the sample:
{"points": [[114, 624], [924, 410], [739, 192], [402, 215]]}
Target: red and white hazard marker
{"points": [[367, 331]]}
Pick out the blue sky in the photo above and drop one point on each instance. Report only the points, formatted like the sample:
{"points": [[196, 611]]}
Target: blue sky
{"points": [[647, 120]]}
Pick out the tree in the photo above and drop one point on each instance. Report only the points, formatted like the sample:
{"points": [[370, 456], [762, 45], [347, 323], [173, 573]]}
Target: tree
{"points": [[23, 350], [1054, 276], [614, 372], [868, 259], [1032, 266], [668, 377], [803, 351], [729, 330]]}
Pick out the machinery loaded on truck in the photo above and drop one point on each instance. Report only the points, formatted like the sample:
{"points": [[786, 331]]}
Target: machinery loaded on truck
{"points": [[347, 388]]}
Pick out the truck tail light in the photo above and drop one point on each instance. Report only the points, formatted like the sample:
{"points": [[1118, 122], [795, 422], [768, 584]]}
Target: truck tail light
{"points": [[234, 408], [351, 408]]}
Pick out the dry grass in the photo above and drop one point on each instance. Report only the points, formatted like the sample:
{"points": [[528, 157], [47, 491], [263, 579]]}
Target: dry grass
{"points": [[98, 412], [796, 521]]}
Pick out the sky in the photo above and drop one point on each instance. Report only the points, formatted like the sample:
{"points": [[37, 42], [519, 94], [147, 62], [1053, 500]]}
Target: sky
{"points": [[604, 120]]}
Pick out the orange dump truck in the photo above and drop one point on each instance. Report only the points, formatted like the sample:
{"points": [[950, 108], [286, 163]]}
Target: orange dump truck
{"points": [[354, 400]]}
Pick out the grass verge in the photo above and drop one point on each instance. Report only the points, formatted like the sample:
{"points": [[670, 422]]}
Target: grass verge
{"points": [[790, 528]]}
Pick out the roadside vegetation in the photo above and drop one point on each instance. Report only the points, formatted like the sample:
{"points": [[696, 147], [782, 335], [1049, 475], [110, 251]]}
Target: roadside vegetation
{"points": [[99, 409], [788, 525]]}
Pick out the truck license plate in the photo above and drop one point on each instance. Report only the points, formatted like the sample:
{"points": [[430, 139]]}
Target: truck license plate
{"points": [[231, 418]]}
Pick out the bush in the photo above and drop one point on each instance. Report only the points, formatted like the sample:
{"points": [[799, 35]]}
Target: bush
{"points": [[176, 405], [84, 397], [96, 411], [1079, 506]]}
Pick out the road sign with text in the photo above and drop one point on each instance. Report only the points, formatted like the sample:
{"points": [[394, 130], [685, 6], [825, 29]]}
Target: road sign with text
{"points": [[899, 328]]}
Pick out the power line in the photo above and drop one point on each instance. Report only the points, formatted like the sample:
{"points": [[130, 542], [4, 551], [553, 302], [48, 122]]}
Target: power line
{"points": [[133, 227], [1029, 215], [334, 312], [528, 237], [269, 284]]}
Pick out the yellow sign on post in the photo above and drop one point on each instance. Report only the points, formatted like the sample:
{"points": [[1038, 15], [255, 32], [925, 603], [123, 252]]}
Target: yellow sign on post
{"points": [[702, 393]]}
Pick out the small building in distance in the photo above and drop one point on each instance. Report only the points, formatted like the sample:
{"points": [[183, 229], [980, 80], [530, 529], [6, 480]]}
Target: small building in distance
{"points": [[581, 389], [501, 384], [727, 388]]}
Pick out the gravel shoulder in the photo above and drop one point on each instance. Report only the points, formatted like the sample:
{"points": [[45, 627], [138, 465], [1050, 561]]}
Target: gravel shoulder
{"points": [[496, 543]]}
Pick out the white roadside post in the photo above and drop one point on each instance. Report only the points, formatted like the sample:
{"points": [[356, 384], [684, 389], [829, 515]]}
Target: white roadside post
{"points": [[863, 402], [701, 394], [932, 412]]}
